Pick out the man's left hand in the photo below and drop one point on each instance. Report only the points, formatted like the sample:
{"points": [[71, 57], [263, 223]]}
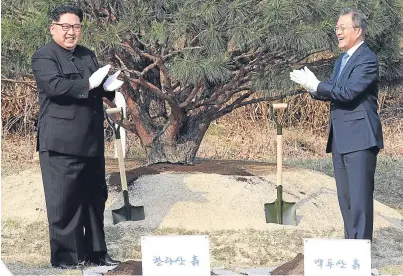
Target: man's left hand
{"points": [[112, 83], [306, 78]]}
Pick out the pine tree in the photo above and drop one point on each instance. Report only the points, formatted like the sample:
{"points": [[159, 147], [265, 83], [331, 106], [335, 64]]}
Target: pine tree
{"points": [[188, 62]]}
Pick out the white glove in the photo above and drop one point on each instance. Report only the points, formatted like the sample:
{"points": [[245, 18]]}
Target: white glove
{"points": [[98, 76], [112, 83], [306, 78]]}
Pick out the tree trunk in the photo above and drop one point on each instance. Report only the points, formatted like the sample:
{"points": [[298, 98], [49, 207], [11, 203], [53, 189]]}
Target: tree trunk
{"points": [[180, 148]]}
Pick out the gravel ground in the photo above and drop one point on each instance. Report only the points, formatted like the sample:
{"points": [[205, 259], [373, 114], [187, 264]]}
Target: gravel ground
{"points": [[228, 208]]}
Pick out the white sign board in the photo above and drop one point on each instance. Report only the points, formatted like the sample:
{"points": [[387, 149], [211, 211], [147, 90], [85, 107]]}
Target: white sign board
{"points": [[175, 255], [325, 257], [4, 270]]}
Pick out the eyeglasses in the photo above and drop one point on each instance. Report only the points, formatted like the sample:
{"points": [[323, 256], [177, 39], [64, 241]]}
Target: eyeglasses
{"points": [[342, 28], [66, 27]]}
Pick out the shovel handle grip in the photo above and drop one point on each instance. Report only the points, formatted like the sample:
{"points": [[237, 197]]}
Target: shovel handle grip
{"points": [[113, 110], [280, 105]]}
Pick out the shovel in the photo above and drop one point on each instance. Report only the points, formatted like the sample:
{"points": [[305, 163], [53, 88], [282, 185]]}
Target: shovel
{"points": [[280, 211], [127, 212]]}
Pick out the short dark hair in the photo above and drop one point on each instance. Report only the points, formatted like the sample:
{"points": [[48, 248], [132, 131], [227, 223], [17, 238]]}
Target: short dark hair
{"points": [[359, 18], [60, 10]]}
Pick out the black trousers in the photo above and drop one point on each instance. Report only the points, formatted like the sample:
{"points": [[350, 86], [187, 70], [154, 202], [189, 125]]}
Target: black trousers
{"points": [[75, 194], [354, 173]]}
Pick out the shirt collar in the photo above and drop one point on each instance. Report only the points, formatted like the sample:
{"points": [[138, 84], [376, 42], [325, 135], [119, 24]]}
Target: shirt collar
{"points": [[351, 51]]}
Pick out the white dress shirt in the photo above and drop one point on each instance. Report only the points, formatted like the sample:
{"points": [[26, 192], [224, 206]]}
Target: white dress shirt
{"points": [[350, 52]]}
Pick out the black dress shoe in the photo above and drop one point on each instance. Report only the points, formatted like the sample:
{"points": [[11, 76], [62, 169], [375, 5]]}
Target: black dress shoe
{"points": [[102, 258], [68, 266]]}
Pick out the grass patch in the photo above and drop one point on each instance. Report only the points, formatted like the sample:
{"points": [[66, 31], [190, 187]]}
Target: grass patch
{"points": [[392, 270], [388, 177], [228, 248], [18, 238], [323, 165], [215, 130]]}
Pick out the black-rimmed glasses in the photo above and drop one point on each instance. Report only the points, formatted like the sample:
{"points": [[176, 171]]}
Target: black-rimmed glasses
{"points": [[66, 27]]}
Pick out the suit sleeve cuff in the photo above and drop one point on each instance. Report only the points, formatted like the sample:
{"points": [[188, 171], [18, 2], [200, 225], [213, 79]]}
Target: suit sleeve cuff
{"points": [[80, 89]]}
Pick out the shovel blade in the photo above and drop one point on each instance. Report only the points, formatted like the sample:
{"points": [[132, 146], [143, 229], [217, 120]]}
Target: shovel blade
{"points": [[133, 213], [287, 214]]}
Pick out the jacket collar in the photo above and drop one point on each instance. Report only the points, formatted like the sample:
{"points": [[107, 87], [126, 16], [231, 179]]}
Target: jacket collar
{"points": [[351, 60], [65, 54]]}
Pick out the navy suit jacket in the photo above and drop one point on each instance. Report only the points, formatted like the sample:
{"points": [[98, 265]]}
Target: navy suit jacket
{"points": [[354, 121], [71, 116]]}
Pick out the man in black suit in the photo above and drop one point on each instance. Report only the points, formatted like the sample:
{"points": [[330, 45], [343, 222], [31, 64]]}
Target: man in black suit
{"points": [[355, 132], [71, 141]]}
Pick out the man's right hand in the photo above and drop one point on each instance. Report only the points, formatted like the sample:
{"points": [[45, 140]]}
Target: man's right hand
{"points": [[98, 76], [306, 78]]}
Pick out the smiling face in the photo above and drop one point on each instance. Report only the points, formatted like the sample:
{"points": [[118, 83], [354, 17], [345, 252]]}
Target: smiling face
{"points": [[347, 33], [67, 39]]}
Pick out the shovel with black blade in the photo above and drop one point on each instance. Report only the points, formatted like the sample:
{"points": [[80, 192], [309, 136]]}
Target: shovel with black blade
{"points": [[280, 211], [127, 212]]}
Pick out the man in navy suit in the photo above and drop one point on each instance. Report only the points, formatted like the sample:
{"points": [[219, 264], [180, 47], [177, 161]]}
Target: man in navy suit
{"points": [[355, 132]]}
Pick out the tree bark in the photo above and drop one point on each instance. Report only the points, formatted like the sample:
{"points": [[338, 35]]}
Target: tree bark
{"points": [[180, 148]]}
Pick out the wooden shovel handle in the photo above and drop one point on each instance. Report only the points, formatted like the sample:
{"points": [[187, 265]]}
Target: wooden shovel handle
{"points": [[279, 146], [122, 171], [279, 160]]}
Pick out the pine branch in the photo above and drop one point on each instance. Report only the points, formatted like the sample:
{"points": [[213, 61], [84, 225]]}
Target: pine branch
{"points": [[151, 87], [27, 83], [174, 53], [310, 54], [222, 94], [122, 64], [137, 73], [176, 85], [16, 81], [148, 68], [196, 90], [167, 84], [138, 39], [239, 102], [156, 91], [136, 51]]}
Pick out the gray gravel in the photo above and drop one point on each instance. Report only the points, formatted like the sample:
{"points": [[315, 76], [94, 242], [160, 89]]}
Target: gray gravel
{"points": [[124, 239]]}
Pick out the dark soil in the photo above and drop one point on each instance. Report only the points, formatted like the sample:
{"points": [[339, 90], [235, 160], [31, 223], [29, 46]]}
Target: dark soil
{"points": [[293, 267], [136, 169], [127, 268]]}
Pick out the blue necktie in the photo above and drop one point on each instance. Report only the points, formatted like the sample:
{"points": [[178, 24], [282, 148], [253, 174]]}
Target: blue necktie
{"points": [[343, 63]]}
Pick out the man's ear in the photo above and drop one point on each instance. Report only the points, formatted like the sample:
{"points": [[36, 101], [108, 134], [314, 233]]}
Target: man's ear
{"points": [[51, 28], [359, 33]]}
